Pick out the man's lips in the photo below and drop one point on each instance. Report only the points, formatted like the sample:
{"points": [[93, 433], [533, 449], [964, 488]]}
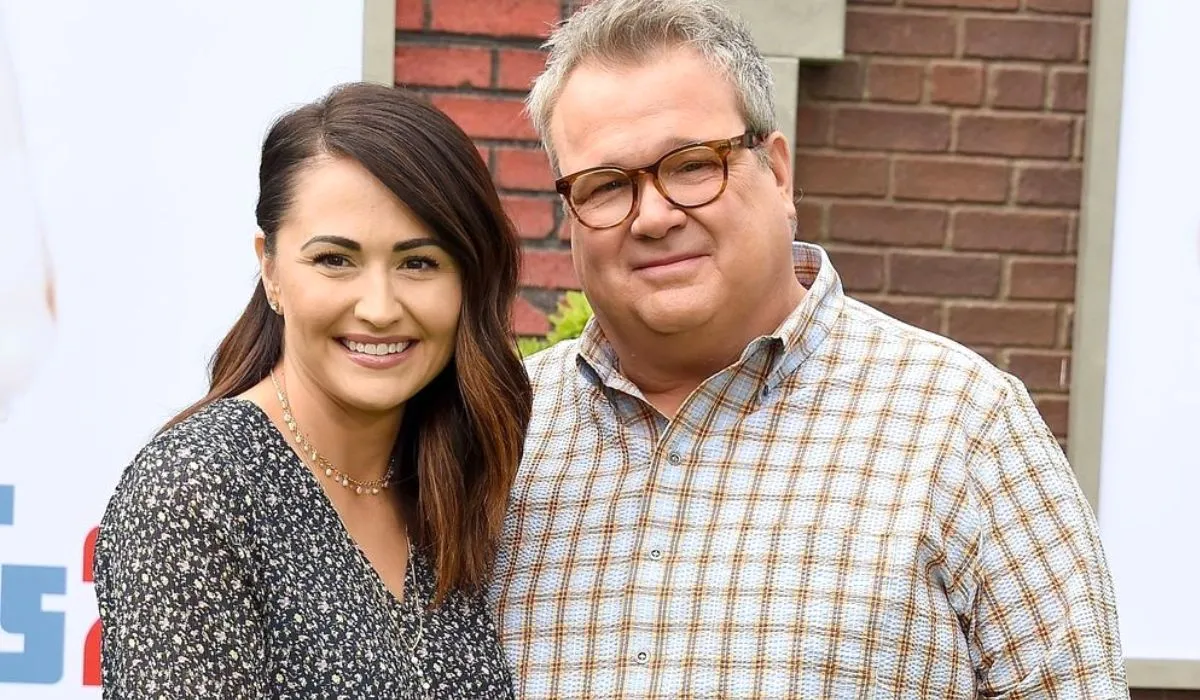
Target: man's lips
{"points": [[669, 260]]}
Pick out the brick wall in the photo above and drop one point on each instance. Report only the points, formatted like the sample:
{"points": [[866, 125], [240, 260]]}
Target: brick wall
{"points": [[941, 166], [940, 163], [476, 59]]}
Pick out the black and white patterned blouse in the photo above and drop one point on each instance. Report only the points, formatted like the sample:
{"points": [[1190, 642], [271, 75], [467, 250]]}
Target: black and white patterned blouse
{"points": [[222, 571]]}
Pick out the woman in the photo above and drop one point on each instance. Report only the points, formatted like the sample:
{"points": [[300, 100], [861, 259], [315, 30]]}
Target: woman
{"points": [[321, 523]]}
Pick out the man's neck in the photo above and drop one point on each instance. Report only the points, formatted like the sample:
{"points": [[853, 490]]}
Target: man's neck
{"points": [[668, 368]]}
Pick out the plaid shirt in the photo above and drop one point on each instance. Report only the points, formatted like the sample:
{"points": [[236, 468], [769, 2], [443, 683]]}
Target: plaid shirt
{"points": [[855, 508]]}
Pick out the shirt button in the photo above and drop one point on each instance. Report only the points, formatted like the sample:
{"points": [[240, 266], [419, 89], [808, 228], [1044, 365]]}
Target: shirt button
{"points": [[656, 554], [642, 657], [674, 458]]}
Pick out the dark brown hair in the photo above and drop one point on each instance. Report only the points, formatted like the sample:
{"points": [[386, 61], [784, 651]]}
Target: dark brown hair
{"points": [[462, 436]]}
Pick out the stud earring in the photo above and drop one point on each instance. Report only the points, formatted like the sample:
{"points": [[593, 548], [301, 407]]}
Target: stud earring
{"points": [[274, 306]]}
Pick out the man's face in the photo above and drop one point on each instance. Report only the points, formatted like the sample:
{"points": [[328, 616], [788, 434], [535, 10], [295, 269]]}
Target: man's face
{"points": [[665, 269]]}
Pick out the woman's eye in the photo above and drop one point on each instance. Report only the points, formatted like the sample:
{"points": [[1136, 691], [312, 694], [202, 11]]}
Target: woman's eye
{"points": [[419, 263], [332, 260]]}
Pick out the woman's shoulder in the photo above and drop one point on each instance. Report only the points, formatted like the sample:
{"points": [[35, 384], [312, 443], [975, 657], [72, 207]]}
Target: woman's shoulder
{"points": [[184, 492], [202, 457], [224, 433]]}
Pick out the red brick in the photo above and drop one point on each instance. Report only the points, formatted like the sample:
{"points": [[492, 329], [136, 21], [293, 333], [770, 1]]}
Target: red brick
{"points": [[967, 4], [548, 269], [523, 169], [1080, 138], [995, 324], [871, 2], [529, 18], [1055, 411], [528, 319], [487, 117], [1033, 39], [443, 66], [810, 221], [1069, 89], [842, 80], [908, 34], [1053, 185], [813, 125], [1009, 231], [849, 175], [922, 314], [956, 84], [1021, 137], [891, 129], [860, 271], [895, 82], [950, 180], [533, 217], [1041, 370], [992, 355], [485, 154], [519, 67], [1050, 280], [1066, 7], [410, 14], [944, 275], [1017, 88], [1085, 42], [887, 224]]}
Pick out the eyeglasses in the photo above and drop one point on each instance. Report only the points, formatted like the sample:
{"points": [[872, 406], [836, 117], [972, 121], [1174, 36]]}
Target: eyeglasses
{"points": [[688, 177]]}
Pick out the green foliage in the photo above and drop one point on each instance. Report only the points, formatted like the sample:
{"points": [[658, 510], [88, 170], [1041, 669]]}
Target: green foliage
{"points": [[566, 323]]}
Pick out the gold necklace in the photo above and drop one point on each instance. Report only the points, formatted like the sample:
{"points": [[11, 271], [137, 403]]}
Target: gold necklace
{"points": [[371, 488]]}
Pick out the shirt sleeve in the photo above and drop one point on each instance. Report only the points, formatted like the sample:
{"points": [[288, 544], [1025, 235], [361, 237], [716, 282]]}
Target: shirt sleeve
{"points": [[178, 613], [1042, 618]]}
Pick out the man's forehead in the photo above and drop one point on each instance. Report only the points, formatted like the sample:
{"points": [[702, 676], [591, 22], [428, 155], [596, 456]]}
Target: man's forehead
{"points": [[636, 129]]}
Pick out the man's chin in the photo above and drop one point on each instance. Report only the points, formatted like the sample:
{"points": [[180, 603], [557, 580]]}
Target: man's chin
{"points": [[675, 312]]}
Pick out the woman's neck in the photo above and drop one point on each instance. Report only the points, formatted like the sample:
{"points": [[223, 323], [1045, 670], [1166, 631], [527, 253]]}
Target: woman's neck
{"points": [[358, 443]]}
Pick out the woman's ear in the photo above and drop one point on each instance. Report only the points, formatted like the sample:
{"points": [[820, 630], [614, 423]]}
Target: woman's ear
{"points": [[266, 268]]}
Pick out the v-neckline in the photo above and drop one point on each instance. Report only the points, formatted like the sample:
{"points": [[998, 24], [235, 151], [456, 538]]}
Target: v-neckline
{"points": [[312, 487]]}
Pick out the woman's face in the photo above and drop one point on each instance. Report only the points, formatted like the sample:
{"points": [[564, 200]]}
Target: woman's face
{"points": [[370, 299]]}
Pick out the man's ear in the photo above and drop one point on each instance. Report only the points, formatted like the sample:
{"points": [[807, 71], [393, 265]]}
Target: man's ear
{"points": [[779, 158]]}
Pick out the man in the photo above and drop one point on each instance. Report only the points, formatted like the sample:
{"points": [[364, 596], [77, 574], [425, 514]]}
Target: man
{"points": [[740, 483]]}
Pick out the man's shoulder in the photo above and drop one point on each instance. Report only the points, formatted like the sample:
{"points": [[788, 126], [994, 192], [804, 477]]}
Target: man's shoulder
{"points": [[946, 365], [551, 368]]}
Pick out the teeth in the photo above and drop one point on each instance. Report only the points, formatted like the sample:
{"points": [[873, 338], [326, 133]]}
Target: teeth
{"points": [[377, 348]]}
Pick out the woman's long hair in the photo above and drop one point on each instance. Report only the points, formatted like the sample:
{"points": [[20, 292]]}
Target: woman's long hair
{"points": [[462, 436]]}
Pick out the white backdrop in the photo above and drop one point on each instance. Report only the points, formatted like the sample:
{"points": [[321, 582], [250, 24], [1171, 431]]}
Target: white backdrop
{"points": [[142, 121], [1150, 469]]}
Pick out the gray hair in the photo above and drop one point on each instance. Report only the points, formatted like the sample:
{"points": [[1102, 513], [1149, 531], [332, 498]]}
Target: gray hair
{"points": [[623, 31]]}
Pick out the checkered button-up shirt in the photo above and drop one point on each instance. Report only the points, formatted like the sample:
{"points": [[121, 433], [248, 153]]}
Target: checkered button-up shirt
{"points": [[854, 509]]}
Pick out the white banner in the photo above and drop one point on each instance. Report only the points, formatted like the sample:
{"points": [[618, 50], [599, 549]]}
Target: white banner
{"points": [[1150, 470], [129, 142]]}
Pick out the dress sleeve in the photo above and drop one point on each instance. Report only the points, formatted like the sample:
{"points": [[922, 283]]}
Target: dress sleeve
{"points": [[179, 613]]}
